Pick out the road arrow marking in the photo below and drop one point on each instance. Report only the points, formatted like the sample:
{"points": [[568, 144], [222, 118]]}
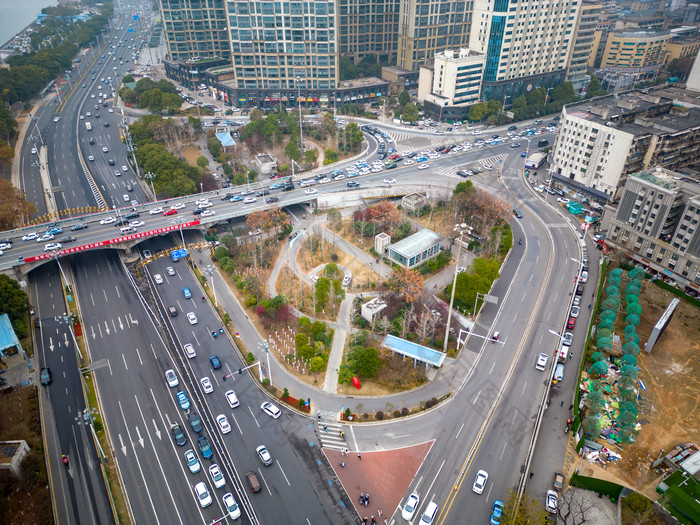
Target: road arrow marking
{"points": [[133, 321], [156, 427], [121, 326], [92, 330], [122, 447], [106, 328], [51, 343], [140, 439]]}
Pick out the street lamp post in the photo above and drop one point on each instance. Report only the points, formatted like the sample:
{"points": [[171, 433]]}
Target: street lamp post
{"points": [[210, 270], [461, 229], [544, 106], [150, 177], [298, 80]]}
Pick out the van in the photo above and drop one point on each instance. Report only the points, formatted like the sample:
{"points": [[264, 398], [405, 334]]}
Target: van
{"points": [[559, 372], [562, 352], [127, 229], [253, 481], [172, 311], [429, 514]]}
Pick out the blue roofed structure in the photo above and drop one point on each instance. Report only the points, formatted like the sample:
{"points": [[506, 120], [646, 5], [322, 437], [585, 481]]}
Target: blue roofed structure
{"points": [[226, 139], [9, 344], [429, 356]]}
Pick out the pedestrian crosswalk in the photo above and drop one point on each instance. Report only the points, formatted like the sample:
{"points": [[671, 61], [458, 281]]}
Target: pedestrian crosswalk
{"points": [[332, 435]]}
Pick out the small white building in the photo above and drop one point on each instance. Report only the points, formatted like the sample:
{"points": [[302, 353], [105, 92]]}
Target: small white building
{"points": [[266, 163], [372, 308]]}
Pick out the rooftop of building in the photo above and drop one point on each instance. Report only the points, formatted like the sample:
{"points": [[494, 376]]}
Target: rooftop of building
{"points": [[416, 243], [642, 34], [459, 54], [397, 70], [265, 158], [688, 183], [362, 82], [618, 111]]}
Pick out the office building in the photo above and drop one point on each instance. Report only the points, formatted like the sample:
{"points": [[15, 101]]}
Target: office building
{"points": [[195, 29], [682, 47], [583, 47], [656, 223], [527, 44], [693, 82], [430, 26], [368, 27], [451, 84], [603, 140], [635, 51]]}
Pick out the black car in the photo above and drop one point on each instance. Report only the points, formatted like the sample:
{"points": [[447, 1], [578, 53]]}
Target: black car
{"points": [[92, 141], [79, 226], [131, 215], [45, 375], [382, 155], [195, 422], [227, 197], [288, 187], [67, 239], [179, 435], [106, 124], [272, 200], [462, 173], [411, 155], [512, 128], [518, 214], [110, 162], [197, 211], [262, 193], [121, 222]]}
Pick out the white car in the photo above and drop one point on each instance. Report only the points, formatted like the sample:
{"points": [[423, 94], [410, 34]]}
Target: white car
{"points": [[264, 455], [55, 119], [171, 377], [488, 167], [480, 482], [575, 310], [82, 117], [190, 351], [551, 501], [91, 158], [249, 200], [389, 181], [30, 236], [584, 277], [206, 385], [409, 509], [541, 361], [310, 191], [108, 220], [105, 149], [208, 213], [136, 224], [203, 496], [423, 166], [216, 476], [232, 399], [170, 270], [192, 318], [202, 203], [324, 180], [339, 177], [125, 169], [231, 506], [568, 336], [158, 278], [192, 461], [155, 211], [223, 423], [45, 237], [177, 206], [271, 410], [110, 110], [52, 246]]}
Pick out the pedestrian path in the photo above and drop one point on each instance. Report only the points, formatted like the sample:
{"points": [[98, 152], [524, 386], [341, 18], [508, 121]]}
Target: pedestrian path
{"points": [[494, 161], [330, 435]]}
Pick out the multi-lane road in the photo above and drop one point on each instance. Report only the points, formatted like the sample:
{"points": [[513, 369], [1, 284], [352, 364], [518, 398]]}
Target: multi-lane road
{"points": [[124, 314]]}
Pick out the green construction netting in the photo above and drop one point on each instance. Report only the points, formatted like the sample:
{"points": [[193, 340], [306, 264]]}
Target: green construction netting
{"points": [[595, 401], [629, 359], [632, 320], [599, 368], [625, 383], [612, 290], [627, 395], [615, 281], [606, 315], [631, 298], [635, 287], [626, 419], [636, 273], [634, 308], [631, 348], [598, 356], [632, 338], [629, 329], [609, 304], [604, 344], [607, 324], [629, 406], [617, 272], [591, 426], [629, 371]]}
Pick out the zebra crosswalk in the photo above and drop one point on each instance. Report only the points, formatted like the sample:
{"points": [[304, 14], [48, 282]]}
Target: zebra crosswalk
{"points": [[332, 435]]}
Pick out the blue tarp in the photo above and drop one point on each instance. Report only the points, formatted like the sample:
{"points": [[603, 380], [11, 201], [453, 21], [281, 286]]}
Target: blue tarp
{"points": [[414, 350], [8, 339]]}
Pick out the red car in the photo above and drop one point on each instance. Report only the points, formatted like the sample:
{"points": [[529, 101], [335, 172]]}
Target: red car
{"points": [[571, 323], [169, 212]]}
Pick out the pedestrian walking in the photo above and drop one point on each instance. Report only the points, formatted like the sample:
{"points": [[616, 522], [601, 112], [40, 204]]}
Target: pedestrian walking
{"points": [[379, 512], [325, 428], [572, 406], [531, 474], [562, 403], [359, 456]]}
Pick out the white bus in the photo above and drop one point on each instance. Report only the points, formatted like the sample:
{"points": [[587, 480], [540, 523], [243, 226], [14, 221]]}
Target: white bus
{"points": [[88, 126]]}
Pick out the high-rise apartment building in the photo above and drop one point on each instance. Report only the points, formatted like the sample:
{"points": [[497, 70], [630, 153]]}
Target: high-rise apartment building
{"points": [[527, 44], [368, 27], [282, 47], [195, 28], [427, 27], [584, 42]]}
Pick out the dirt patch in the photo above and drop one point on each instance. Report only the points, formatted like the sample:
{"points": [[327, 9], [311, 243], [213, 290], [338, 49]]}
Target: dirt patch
{"points": [[190, 153], [670, 374]]}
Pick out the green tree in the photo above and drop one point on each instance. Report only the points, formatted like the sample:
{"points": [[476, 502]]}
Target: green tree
{"points": [[410, 112], [334, 217], [353, 135], [292, 151], [367, 361], [478, 112], [466, 187], [13, 302], [404, 98], [519, 103], [202, 162], [522, 511], [317, 364]]}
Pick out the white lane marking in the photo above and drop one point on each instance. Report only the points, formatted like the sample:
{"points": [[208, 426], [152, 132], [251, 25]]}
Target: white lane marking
{"points": [[459, 431], [138, 354], [282, 471], [254, 418], [492, 367], [124, 359], [477, 397], [505, 444]]}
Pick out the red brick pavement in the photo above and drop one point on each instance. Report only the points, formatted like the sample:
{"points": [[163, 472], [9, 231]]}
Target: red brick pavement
{"points": [[385, 475]]}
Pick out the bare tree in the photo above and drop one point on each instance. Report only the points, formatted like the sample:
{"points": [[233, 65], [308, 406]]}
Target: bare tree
{"points": [[574, 507]]}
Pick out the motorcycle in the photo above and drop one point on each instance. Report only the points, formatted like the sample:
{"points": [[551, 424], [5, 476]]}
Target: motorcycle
{"points": [[366, 499], [64, 458], [520, 241]]}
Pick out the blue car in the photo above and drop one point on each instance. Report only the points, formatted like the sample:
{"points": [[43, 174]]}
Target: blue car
{"points": [[275, 186], [183, 400], [55, 230], [186, 292], [497, 512], [214, 360], [236, 198], [421, 159], [523, 154], [204, 447]]}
